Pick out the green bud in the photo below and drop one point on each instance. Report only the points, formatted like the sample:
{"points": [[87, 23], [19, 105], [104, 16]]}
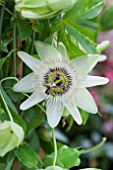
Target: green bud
{"points": [[11, 135], [43, 9]]}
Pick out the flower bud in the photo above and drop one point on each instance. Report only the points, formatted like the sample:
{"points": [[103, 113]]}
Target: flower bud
{"points": [[43, 9], [103, 46], [11, 135]]}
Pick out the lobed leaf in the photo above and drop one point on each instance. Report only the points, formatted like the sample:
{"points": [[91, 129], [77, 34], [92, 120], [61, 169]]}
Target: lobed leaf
{"points": [[27, 156]]}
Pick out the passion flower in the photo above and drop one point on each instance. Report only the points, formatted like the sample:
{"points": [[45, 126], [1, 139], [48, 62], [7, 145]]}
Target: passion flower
{"points": [[59, 81], [43, 9]]}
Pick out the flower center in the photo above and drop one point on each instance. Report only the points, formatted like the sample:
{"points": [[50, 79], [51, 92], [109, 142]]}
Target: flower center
{"points": [[57, 81]]}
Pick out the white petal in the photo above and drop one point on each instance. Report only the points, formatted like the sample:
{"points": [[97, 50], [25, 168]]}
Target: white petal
{"points": [[102, 58], [30, 61], [54, 111], [85, 101], [71, 107], [34, 99], [26, 84], [62, 50], [86, 63], [46, 51], [93, 81]]}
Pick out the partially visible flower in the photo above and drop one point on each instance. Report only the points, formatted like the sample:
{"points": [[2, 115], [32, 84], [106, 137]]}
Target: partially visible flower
{"points": [[60, 81], [11, 135], [43, 9], [90, 169], [53, 168]]}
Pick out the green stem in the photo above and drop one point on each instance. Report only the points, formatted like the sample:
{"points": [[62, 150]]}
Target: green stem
{"points": [[8, 111], [94, 148], [1, 23], [7, 10], [14, 44], [33, 39], [40, 161], [55, 147], [41, 108], [1, 17], [9, 78]]}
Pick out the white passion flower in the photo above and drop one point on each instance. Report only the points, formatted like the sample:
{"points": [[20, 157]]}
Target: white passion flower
{"points": [[59, 81], [43, 9]]}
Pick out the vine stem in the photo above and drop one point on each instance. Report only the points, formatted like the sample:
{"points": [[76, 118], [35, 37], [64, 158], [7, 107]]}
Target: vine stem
{"points": [[7, 10], [8, 111], [2, 16], [9, 78], [14, 44], [94, 148], [33, 39], [55, 147], [1, 23]]}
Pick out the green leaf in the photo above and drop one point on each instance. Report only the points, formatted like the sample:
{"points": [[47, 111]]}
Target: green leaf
{"points": [[69, 157], [34, 140], [66, 158], [34, 123], [2, 60], [72, 49], [1, 110], [49, 161], [6, 43], [54, 25], [8, 100], [33, 118], [2, 166], [27, 156], [13, 110], [106, 23], [85, 36], [74, 22], [43, 30], [10, 161], [87, 9], [14, 96], [85, 116], [24, 29]]}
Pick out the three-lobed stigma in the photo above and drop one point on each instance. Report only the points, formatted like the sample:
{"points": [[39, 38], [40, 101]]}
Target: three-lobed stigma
{"points": [[57, 81]]}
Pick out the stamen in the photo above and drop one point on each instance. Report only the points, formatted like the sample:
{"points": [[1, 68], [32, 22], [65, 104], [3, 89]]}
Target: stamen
{"points": [[57, 81], [57, 76]]}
